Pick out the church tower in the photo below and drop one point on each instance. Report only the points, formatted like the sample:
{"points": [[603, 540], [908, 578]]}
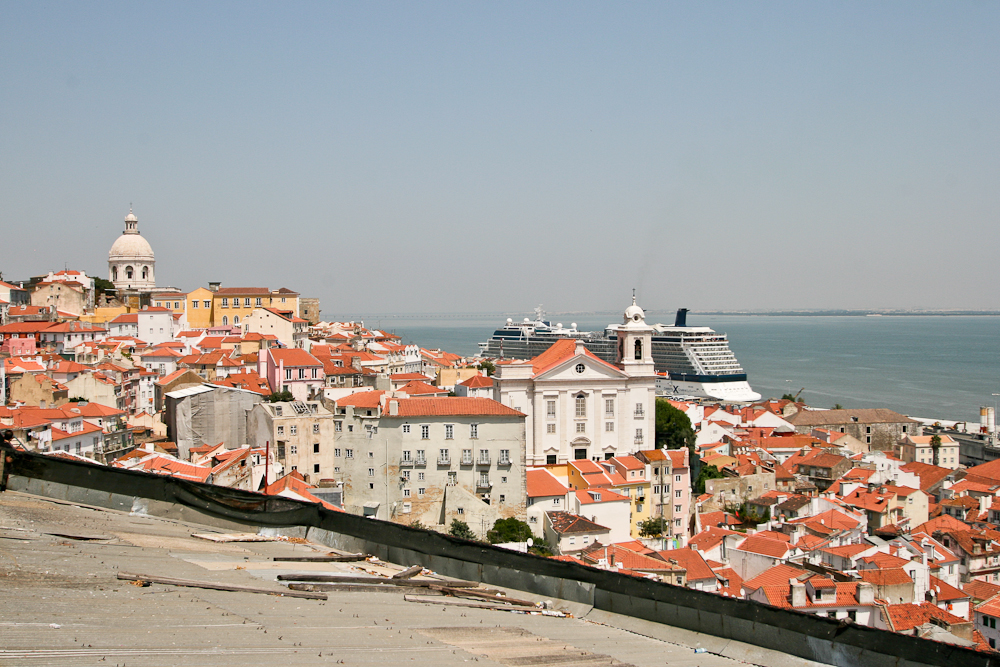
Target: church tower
{"points": [[635, 343], [131, 263]]}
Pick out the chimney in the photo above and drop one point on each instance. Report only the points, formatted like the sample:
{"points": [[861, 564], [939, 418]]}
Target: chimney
{"points": [[580, 347], [866, 593], [214, 287], [393, 408], [984, 503], [798, 593]]}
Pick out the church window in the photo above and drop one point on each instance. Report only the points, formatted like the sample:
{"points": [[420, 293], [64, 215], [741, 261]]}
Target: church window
{"points": [[114, 273], [128, 272], [580, 368], [145, 273], [581, 406], [638, 350]]}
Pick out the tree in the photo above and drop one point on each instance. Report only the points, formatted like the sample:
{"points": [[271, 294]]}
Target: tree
{"points": [[540, 547], [461, 530], [280, 397], [101, 286], [838, 406], [654, 527], [673, 428], [417, 523], [707, 472], [788, 397], [488, 366], [935, 447], [508, 530]]}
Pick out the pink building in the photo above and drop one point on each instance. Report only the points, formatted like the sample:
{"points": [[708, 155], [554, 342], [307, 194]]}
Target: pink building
{"points": [[292, 369]]}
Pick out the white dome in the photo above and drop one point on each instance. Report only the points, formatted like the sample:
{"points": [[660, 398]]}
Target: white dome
{"points": [[130, 246], [634, 313]]}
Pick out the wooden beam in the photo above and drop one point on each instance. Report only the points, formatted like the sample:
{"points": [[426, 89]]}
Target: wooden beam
{"points": [[409, 572], [329, 558], [169, 581]]}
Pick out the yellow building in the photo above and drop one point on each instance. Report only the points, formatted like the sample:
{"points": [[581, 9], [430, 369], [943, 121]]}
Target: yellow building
{"points": [[231, 305], [199, 308]]}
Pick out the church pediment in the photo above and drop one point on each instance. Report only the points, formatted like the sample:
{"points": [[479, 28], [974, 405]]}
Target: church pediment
{"points": [[581, 368]]}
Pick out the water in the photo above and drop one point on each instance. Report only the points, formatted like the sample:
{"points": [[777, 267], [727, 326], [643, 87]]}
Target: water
{"points": [[925, 366]]}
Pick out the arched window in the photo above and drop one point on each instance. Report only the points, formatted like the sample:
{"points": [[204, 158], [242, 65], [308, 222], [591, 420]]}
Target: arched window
{"points": [[128, 272], [114, 273], [581, 405], [145, 273], [225, 321], [236, 320], [638, 350]]}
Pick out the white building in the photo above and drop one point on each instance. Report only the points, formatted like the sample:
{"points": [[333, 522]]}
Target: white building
{"points": [[131, 263], [579, 406]]}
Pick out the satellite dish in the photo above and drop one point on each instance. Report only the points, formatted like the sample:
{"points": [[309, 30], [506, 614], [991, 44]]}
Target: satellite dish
{"points": [[531, 542]]}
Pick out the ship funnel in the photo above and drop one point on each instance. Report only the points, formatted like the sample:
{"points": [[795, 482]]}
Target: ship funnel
{"points": [[681, 319]]}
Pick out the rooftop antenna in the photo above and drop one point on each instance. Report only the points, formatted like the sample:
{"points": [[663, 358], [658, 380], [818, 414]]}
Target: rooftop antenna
{"points": [[633, 296]]}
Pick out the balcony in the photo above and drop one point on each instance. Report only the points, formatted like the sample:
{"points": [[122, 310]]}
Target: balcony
{"points": [[484, 459], [639, 414], [444, 460], [484, 483], [638, 439], [406, 463], [420, 461], [466, 459], [503, 461]]}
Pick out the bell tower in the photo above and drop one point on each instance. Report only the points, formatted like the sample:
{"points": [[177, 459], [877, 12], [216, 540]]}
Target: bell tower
{"points": [[635, 342]]}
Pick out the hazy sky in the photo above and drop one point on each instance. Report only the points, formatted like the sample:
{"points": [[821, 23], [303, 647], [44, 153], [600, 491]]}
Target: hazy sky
{"points": [[421, 157]]}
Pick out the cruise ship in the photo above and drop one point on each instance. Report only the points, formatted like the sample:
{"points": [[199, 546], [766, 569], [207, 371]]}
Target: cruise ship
{"points": [[693, 362]]}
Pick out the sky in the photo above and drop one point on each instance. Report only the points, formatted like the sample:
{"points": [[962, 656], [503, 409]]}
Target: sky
{"points": [[466, 157]]}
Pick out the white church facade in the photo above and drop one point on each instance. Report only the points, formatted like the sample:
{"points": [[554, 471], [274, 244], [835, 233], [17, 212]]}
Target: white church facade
{"points": [[131, 263], [581, 407]]}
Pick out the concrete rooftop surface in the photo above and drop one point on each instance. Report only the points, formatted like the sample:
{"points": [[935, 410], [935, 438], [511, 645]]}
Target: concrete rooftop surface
{"points": [[61, 603]]}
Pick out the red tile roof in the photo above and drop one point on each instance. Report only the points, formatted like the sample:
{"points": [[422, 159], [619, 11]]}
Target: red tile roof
{"points": [[561, 351], [293, 356], [890, 576], [903, 617], [690, 560], [765, 546], [541, 483], [454, 406]]}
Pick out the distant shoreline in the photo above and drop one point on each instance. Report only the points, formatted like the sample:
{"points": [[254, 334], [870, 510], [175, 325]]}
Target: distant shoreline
{"points": [[342, 317]]}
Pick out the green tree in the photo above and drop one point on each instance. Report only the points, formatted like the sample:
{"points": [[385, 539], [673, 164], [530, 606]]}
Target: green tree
{"points": [[654, 527], [280, 397], [462, 530], [673, 428], [488, 366], [508, 530], [540, 547], [788, 397], [838, 406], [707, 472], [101, 286], [935, 447], [417, 523]]}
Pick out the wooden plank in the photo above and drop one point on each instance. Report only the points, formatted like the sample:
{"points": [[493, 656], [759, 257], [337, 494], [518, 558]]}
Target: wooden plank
{"points": [[485, 595], [349, 588], [234, 537], [330, 558], [169, 581], [409, 572], [457, 602], [352, 579]]}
